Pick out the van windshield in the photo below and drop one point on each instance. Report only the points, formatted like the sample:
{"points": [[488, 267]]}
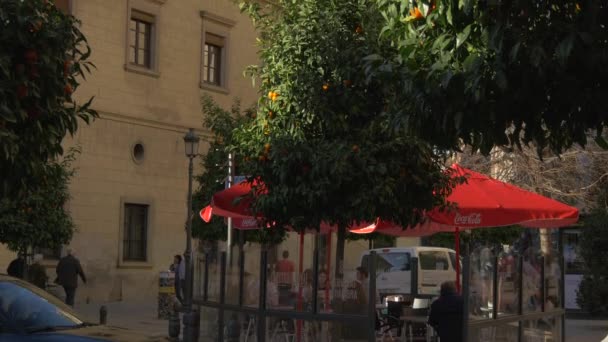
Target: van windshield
{"points": [[389, 262]]}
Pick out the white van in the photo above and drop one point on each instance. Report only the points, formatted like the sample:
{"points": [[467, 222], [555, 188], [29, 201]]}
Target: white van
{"points": [[394, 269]]}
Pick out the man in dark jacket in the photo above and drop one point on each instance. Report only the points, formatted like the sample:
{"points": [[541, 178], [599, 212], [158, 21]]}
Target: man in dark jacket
{"points": [[17, 267], [68, 271], [447, 314]]}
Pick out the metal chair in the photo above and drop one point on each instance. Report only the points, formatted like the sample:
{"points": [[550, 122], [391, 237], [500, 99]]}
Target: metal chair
{"points": [[387, 322]]}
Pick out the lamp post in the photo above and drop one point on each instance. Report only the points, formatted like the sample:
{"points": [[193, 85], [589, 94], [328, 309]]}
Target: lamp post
{"points": [[191, 318]]}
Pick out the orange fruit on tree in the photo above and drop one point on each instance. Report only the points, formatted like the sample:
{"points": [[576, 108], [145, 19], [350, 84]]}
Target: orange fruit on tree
{"points": [[358, 29], [356, 148], [267, 147], [270, 114], [325, 87], [416, 14], [21, 91], [31, 56]]}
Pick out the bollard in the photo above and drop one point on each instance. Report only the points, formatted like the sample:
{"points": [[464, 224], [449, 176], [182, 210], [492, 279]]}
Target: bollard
{"points": [[192, 323], [174, 323], [103, 315]]}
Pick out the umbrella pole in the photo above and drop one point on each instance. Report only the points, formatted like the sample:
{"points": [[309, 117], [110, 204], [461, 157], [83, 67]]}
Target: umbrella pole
{"points": [[457, 248], [300, 279]]}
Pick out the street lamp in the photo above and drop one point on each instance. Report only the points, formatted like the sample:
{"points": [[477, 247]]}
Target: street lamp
{"points": [[191, 319]]}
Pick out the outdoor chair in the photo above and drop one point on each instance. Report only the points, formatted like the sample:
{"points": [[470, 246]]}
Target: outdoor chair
{"points": [[387, 322]]}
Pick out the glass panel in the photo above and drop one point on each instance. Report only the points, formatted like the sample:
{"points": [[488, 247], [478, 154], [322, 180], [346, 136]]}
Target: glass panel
{"points": [[212, 58], [325, 276], [208, 324], [541, 330], [142, 40], [143, 27], [141, 56], [132, 37], [292, 274], [211, 75], [286, 329], [232, 278], [552, 282], [237, 326], [132, 24], [134, 246], [574, 262], [214, 277], [251, 292], [206, 55], [499, 332], [531, 282], [508, 286], [480, 282]]}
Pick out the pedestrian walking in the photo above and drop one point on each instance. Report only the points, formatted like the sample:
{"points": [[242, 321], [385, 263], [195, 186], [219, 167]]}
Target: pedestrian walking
{"points": [[68, 270], [17, 267], [447, 313], [175, 268]]}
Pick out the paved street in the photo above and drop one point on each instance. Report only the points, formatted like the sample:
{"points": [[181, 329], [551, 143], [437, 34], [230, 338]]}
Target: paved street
{"points": [[139, 316]]}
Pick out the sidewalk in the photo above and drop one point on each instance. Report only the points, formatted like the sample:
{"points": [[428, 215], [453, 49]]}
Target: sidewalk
{"points": [[587, 330], [141, 316], [138, 316]]}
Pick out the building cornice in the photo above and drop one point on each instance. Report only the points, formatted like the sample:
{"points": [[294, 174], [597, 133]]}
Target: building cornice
{"points": [[204, 133], [206, 15]]}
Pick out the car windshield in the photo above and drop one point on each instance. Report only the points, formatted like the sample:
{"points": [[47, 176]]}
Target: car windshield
{"points": [[389, 262], [25, 308]]}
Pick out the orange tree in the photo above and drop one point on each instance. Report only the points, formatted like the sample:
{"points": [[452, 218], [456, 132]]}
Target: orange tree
{"points": [[42, 54], [40, 219], [221, 124], [320, 141], [470, 70]]}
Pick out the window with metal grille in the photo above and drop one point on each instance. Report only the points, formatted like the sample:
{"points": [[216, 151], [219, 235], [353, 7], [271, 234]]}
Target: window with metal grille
{"points": [[212, 59], [140, 39], [135, 232]]}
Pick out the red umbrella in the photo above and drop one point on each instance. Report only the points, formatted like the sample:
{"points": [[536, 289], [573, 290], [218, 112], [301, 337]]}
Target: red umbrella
{"points": [[486, 202], [236, 202]]}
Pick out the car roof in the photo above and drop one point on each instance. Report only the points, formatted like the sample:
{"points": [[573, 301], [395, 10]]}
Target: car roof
{"points": [[408, 249]]}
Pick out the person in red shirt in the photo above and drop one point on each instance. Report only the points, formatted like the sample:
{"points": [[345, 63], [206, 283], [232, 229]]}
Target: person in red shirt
{"points": [[284, 271]]}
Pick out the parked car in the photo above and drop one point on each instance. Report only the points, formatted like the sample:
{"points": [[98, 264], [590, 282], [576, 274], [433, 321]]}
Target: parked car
{"points": [[394, 269], [30, 314]]}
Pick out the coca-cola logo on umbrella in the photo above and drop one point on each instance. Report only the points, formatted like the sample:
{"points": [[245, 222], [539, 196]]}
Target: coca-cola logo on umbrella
{"points": [[245, 223], [471, 219]]}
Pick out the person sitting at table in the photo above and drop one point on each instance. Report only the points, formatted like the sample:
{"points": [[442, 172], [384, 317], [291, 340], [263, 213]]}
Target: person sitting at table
{"points": [[446, 315]]}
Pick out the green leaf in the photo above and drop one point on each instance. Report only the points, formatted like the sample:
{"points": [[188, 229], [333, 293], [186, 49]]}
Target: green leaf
{"points": [[463, 36], [564, 49], [448, 14]]}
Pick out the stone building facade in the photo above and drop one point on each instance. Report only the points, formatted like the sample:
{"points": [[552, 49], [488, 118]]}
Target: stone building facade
{"points": [[154, 59]]}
